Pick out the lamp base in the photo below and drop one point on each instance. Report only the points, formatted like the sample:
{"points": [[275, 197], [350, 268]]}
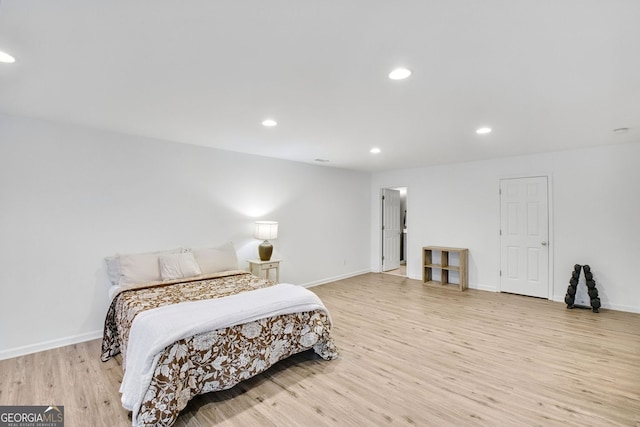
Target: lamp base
{"points": [[265, 249]]}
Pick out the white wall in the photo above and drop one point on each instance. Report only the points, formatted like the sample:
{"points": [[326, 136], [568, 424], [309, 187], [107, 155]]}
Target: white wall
{"points": [[595, 198], [70, 196]]}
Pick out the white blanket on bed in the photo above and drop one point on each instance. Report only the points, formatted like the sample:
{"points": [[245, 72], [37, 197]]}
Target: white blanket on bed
{"points": [[155, 329]]}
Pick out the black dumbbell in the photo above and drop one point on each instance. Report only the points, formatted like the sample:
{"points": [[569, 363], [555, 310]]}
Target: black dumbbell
{"points": [[568, 299]]}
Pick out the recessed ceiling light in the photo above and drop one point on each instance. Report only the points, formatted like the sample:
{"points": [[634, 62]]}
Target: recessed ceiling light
{"points": [[375, 150], [399, 74], [483, 131], [5, 57], [621, 130], [269, 123]]}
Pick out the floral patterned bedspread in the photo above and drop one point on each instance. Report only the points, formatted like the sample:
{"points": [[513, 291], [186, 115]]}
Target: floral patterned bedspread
{"points": [[214, 360]]}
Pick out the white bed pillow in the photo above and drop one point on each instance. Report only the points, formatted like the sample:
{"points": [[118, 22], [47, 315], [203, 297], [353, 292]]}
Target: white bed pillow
{"points": [[139, 268], [113, 269], [134, 269], [178, 266], [214, 260]]}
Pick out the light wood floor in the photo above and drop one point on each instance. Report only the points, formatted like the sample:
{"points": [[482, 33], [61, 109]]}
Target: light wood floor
{"points": [[410, 355], [400, 271]]}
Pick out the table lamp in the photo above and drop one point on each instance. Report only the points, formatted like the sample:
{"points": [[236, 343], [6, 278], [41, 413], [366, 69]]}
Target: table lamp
{"points": [[265, 230]]}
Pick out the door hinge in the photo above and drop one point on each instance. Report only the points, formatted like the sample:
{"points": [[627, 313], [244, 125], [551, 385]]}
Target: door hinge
{"points": [[501, 232], [500, 273], [383, 228], [500, 191], [382, 197]]}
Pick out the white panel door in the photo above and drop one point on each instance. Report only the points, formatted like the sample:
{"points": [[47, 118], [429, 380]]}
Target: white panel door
{"points": [[524, 236], [391, 229]]}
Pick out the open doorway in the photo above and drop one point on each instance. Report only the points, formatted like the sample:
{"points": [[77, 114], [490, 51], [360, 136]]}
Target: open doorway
{"points": [[394, 230]]}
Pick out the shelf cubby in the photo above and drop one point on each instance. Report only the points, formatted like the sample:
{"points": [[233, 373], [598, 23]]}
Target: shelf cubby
{"points": [[428, 266]]}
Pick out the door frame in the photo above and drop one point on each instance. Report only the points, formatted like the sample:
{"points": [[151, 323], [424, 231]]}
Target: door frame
{"points": [[379, 232], [551, 244], [388, 263]]}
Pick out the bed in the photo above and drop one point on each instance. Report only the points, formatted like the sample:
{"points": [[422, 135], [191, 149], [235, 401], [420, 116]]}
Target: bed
{"points": [[184, 336]]}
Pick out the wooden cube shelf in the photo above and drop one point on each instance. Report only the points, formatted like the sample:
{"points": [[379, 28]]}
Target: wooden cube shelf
{"points": [[428, 266]]}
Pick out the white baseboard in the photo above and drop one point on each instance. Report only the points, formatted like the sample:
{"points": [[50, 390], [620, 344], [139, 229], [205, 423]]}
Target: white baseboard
{"points": [[484, 288], [48, 345], [605, 305], [74, 339], [335, 278]]}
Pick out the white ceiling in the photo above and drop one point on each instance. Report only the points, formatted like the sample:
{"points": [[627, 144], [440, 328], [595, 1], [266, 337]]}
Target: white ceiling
{"points": [[544, 74]]}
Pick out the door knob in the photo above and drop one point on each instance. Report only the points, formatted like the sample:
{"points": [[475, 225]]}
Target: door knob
{"points": [[544, 243]]}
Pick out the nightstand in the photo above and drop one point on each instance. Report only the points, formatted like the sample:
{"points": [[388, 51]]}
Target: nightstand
{"points": [[256, 267]]}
